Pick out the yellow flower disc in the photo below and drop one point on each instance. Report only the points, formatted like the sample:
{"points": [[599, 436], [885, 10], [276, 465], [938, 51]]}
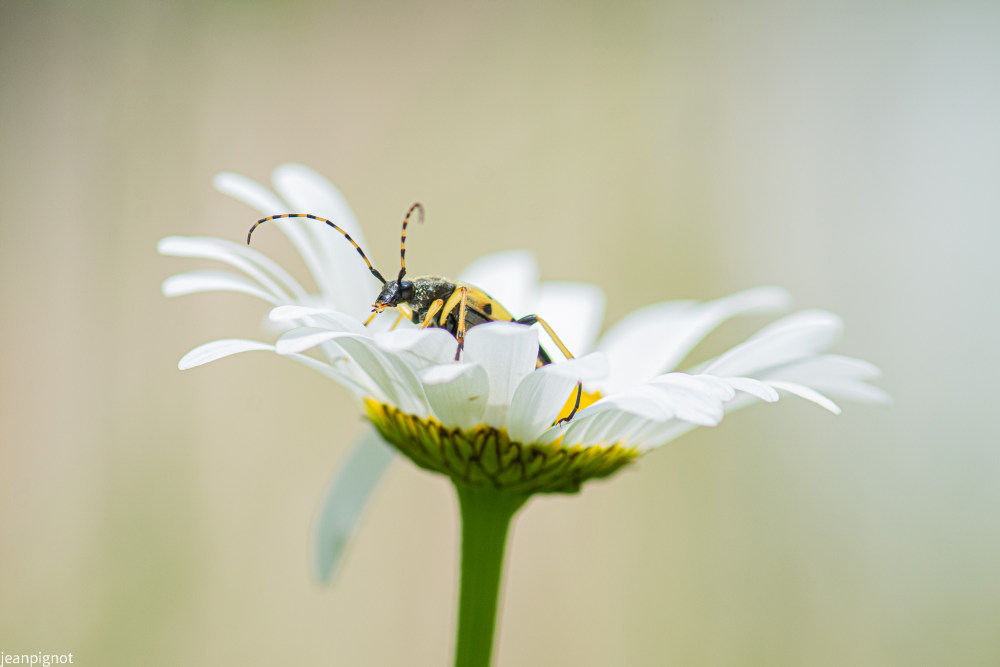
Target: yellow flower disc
{"points": [[485, 455]]}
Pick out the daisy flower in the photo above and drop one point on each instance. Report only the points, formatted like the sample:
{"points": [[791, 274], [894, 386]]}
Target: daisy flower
{"points": [[500, 425]]}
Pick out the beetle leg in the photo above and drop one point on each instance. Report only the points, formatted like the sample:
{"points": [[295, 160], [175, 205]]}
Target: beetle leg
{"points": [[431, 312], [369, 320], [460, 331], [576, 406], [532, 319], [398, 320]]}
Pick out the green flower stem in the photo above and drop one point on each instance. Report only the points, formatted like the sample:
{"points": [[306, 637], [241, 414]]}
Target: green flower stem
{"points": [[486, 517]]}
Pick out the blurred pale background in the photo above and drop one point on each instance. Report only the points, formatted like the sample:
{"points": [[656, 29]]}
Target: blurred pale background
{"points": [[849, 151]]}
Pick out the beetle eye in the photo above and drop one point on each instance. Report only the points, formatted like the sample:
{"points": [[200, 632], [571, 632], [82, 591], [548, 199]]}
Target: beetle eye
{"points": [[405, 290]]}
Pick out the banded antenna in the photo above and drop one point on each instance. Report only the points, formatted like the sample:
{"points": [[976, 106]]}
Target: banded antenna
{"points": [[402, 240], [346, 235]]}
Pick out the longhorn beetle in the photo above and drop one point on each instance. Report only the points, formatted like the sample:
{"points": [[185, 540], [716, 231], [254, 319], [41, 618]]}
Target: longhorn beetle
{"points": [[433, 301]]}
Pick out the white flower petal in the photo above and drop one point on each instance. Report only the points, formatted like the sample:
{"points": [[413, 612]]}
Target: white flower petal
{"points": [[396, 380], [808, 394], [755, 388], [345, 501], [295, 312], [695, 399], [255, 264], [842, 377], [644, 401], [791, 339], [393, 378], [691, 400], [406, 391], [358, 388], [574, 310], [540, 397], [633, 341], [254, 194], [587, 368], [536, 403], [610, 428], [457, 392], [386, 321], [602, 428], [655, 435], [826, 365], [712, 388], [510, 277], [193, 282], [445, 373], [705, 317], [801, 319], [331, 319], [419, 347], [250, 192], [217, 349], [507, 352], [259, 197], [655, 339], [342, 275], [301, 339]]}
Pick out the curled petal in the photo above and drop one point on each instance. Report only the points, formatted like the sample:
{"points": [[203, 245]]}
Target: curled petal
{"points": [[755, 388], [808, 394], [217, 349]]}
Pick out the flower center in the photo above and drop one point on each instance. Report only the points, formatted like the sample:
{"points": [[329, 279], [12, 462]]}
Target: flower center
{"points": [[486, 456]]}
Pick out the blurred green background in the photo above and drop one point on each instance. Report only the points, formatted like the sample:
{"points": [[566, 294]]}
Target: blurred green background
{"points": [[849, 151]]}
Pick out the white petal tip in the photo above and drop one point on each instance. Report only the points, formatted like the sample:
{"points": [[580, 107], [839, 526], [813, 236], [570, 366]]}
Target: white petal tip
{"points": [[217, 349], [807, 393]]}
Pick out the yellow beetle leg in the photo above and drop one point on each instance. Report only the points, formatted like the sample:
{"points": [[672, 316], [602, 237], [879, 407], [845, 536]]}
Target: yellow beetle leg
{"points": [[431, 312], [562, 348], [531, 319], [398, 320], [460, 331]]}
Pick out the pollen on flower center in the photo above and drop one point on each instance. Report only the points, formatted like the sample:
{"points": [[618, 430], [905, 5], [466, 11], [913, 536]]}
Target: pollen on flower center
{"points": [[486, 456]]}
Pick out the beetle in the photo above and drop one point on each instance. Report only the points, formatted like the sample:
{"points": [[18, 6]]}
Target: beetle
{"points": [[434, 301]]}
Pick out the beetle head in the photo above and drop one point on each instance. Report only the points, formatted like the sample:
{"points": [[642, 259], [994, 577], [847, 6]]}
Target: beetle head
{"points": [[393, 293]]}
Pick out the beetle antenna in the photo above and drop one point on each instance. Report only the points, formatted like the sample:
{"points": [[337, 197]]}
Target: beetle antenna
{"points": [[402, 241], [316, 217]]}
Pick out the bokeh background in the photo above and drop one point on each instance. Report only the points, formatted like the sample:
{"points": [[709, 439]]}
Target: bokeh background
{"points": [[849, 151]]}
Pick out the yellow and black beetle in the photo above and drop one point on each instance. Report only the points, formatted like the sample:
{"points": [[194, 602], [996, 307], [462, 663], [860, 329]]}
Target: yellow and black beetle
{"points": [[433, 301]]}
